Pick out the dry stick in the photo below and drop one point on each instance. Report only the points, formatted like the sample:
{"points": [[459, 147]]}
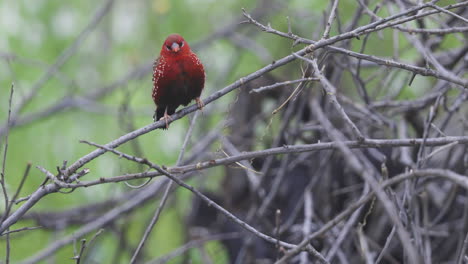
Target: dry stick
{"points": [[270, 87], [153, 221], [386, 245], [360, 84], [292, 96], [155, 218], [364, 246], [356, 165], [307, 225], [2, 176], [64, 56], [326, 33], [313, 182], [462, 235], [286, 149], [426, 246], [20, 187], [443, 10], [21, 229], [438, 150], [84, 245], [277, 233], [5, 151], [407, 105], [365, 111], [441, 133], [273, 190], [430, 118], [331, 93], [463, 250], [437, 31], [22, 199], [250, 171]]}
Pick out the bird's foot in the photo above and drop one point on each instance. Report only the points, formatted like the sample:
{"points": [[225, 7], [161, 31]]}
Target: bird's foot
{"points": [[200, 103], [166, 118]]}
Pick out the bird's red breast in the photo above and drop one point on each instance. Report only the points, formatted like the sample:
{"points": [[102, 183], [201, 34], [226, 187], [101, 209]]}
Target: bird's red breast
{"points": [[178, 76]]}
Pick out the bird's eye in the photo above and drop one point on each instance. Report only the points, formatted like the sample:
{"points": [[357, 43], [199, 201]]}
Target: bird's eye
{"points": [[168, 47], [181, 44]]}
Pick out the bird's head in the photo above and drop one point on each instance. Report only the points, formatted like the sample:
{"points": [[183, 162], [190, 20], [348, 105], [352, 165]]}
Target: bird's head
{"points": [[174, 45]]}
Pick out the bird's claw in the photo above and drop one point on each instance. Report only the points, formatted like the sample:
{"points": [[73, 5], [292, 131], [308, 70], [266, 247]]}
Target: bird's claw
{"points": [[166, 118], [200, 103]]}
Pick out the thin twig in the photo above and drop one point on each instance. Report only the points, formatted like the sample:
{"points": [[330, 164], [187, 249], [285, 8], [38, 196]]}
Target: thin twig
{"points": [[444, 10], [160, 207], [18, 190], [84, 245], [21, 229], [331, 17], [2, 176], [280, 84], [463, 250], [331, 92], [5, 151]]}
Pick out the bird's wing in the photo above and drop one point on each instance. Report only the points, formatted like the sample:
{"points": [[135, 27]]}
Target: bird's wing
{"points": [[155, 64], [155, 90], [156, 61]]}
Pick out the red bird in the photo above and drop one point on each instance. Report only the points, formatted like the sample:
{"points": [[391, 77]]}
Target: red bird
{"points": [[178, 78]]}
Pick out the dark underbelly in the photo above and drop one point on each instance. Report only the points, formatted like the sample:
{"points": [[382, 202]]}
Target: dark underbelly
{"points": [[179, 92]]}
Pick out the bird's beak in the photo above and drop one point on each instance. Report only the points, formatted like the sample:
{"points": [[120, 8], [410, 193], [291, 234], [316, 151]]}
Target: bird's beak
{"points": [[175, 47]]}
